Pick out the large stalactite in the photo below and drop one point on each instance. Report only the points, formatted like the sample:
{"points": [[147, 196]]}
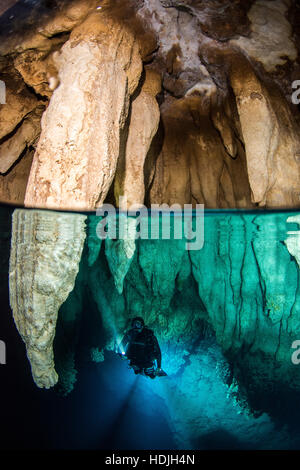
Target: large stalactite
{"points": [[46, 249], [74, 165], [271, 139]]}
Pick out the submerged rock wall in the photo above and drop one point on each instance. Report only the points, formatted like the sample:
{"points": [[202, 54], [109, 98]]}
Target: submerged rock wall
{"points": [[242, 287], [227, 313], [248, 291], [226, 316]]}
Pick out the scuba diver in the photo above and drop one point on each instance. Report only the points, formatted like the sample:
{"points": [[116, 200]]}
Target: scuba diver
{"points": [[141, 347]]}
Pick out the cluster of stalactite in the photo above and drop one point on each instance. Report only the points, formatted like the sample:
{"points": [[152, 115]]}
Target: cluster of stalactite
{"points": [[161, 102], [236, 285]]}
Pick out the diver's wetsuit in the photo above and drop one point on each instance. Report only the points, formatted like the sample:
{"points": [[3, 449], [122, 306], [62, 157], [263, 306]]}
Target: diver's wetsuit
{"points": [[142, 349]]}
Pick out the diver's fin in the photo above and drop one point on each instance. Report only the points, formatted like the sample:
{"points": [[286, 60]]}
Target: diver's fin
{"points": [[161, 373]]}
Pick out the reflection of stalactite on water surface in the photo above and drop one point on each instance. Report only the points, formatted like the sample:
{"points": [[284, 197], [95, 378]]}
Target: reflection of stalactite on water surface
{"points": [[46, 248]]}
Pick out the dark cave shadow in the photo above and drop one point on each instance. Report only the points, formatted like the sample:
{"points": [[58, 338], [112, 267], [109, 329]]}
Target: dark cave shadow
{"points": [[151, 159], [113, 432], [276, 399], [19, 17], [219, 439], [282, 408], [123, 423]]}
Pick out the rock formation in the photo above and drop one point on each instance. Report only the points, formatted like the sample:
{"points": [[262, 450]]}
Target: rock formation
{"points": [[271, 140], [23, 138], [99, 68], [270, 41], [143, 125], [228, 132], [235, 288], [46, 248], [129, 183]]}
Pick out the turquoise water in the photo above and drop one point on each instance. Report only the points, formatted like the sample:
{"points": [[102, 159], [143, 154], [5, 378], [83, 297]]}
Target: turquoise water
{"points": [[226, 317]]}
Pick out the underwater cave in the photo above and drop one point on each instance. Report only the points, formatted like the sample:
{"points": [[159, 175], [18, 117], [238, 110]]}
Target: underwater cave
{"points": [[176, 116]]}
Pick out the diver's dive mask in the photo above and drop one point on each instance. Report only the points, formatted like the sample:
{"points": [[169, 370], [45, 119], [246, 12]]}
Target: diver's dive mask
{"points": [[138, 323]]}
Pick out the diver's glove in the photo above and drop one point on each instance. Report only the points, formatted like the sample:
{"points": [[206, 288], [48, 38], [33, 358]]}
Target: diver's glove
{"points": [[122, 355], [159, 372]]}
